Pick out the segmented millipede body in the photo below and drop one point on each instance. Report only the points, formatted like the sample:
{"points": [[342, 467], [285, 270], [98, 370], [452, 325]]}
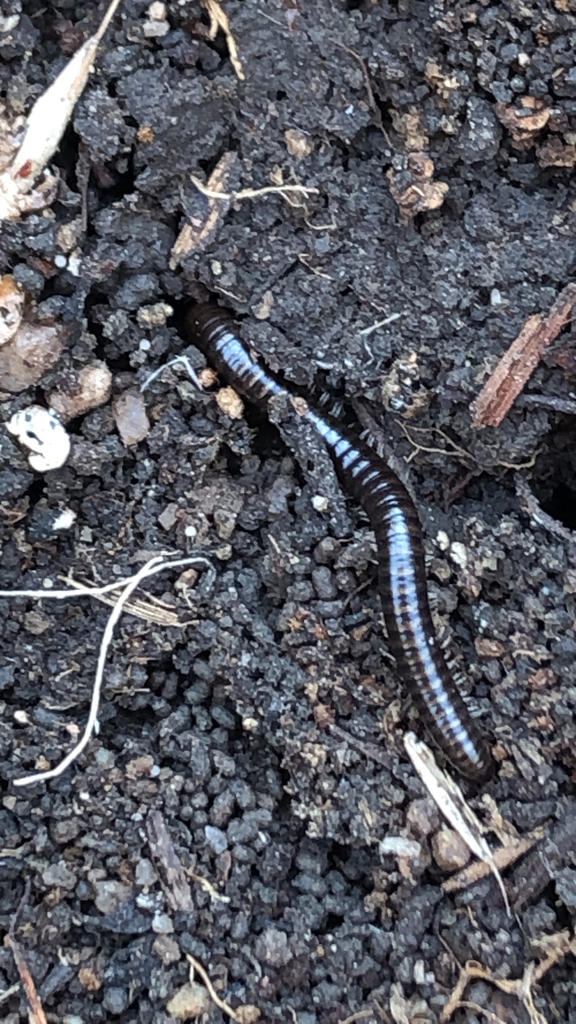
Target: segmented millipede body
{"points": [[418, 652]]}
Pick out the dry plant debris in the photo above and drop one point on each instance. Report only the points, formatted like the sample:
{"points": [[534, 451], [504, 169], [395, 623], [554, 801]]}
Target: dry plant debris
{"points": [[127, 586], [413, 187], [519, 362], [503, 857], [11, 304], [553, 947], [43, 131], [450, 799], [219, 20], [170, 870], [200, 229], [525, 120], [36, 1013], [242, 1014], [412, 184]]}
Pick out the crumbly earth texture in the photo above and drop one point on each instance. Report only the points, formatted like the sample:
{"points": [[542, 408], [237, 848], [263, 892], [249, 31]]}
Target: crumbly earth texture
{"points": [[249, 763]]}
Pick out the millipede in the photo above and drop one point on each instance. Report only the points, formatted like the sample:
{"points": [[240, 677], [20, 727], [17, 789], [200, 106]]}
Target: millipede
{"points": [[420, 658]]}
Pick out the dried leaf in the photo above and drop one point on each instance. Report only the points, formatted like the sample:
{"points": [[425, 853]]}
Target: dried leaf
{"points": [[45, 127]]}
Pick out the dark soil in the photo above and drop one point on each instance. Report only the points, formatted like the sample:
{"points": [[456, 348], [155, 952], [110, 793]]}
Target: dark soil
{"points": [[267, 727]]}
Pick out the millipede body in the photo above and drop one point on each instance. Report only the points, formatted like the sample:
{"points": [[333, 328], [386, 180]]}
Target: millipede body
{"points": [[419, 656]]}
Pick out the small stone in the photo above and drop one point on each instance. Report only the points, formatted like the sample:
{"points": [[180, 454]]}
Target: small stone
{"points": [[263, 308], [40, 431], [130, 415], [156, 24], [116, 999], [83, 391], [110, 895], [449, 850], [272, 947], [32, 351], [215, 838], [459, 554], [154, 316], [36, 622], [167, 518], [298, 143], [230, 403], [139, 767], [59, 875], [320, 503], [162, 924], [90, 979], [442, 540], [145, 874], [166, 949], [248, 1014], [189, 1002]]}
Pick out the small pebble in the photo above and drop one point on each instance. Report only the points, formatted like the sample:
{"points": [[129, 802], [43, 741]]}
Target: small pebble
{"points": [[31, 352], [449, 850], [459, 554], [298, 143], [41, 431], [129, 412], [85, 390], [166, 949], [110, 895], [230, 403], [189, 1002], [215, 838]]}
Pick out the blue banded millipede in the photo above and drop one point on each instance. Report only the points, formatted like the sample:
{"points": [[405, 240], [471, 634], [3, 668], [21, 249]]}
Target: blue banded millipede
{"points": [[419, 655]]}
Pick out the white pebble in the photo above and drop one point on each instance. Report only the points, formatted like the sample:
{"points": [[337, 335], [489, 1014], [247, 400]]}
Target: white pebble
{"points": [[442, 540], [320, 503], [458, 554], [42, 432]]}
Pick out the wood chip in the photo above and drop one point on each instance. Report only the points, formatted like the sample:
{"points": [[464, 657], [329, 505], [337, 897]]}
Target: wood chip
{"points": [[517, 365], [172, 875]]}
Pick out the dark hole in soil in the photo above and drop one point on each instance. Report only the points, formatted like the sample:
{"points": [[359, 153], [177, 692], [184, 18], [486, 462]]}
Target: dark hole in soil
{"points": [[554, 482], [562, 505]]}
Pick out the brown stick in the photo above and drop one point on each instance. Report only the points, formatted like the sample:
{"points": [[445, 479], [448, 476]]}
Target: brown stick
{"points": [[517, 365], [37, 1015]]}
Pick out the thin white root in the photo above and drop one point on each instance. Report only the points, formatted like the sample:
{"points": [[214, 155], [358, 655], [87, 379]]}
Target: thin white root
{"points": [[153, 566]]}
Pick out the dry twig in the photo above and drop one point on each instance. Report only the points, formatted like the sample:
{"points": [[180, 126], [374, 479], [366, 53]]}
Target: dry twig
{"points": [[519, 362], [219, 20], [36, 1013], [200, 228]]}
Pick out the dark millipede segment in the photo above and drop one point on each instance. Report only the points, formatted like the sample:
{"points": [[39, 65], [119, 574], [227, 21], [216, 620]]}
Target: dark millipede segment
{"points": [[419, 656]]}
